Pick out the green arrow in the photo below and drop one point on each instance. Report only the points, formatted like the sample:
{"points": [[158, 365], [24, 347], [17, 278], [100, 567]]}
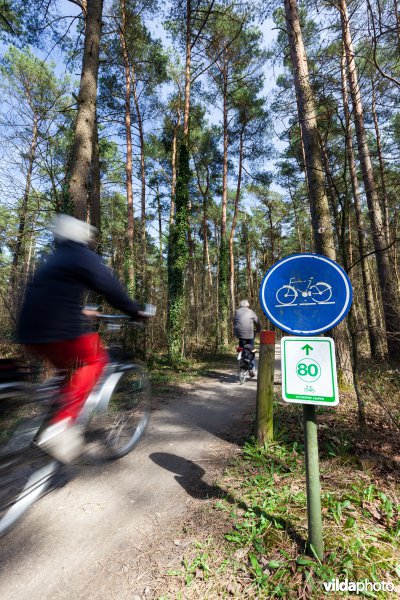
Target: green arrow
{"points": [[307, 348]]}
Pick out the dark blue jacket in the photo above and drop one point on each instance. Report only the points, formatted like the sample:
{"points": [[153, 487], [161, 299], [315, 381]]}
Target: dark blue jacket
{"points": [[52, 307]]}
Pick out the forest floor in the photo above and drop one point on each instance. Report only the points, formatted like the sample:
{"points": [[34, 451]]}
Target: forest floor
{"points": [[198, 511], [253, 535]]}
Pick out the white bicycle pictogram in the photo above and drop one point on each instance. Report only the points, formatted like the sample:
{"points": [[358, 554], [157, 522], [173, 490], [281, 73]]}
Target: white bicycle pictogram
{"points": [[318, 293]]}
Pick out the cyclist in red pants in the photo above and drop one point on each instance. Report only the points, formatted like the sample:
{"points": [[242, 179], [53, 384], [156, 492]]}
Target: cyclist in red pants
{"points": [[52, 325]]}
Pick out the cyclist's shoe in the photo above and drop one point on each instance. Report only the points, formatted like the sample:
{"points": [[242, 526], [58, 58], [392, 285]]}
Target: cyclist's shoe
{"points": [[252, 373], [62, 440]]}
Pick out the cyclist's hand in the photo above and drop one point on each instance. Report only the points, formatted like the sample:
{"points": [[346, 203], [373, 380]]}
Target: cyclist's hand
{"points": [[148, 311], [90, 313]]}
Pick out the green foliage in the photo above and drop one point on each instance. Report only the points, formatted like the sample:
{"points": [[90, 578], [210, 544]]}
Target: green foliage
{"points": [[9, 19], [31, 77]]}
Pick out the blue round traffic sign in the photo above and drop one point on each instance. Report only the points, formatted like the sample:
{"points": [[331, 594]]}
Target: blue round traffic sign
{"points": [[306, 294]]}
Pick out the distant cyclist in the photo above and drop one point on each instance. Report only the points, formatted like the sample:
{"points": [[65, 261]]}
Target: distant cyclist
{"points": [[52, 326], [245, 325]]}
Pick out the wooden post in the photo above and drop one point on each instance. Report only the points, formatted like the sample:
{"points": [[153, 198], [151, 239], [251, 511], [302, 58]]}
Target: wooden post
{"points": [[265, 388]]}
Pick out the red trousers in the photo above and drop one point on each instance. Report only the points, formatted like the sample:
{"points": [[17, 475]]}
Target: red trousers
{"points": [[85, 358]]}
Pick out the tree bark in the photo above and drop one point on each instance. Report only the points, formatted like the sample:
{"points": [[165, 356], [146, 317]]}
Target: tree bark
{"points": [[223, 292], [173, 160], [249, 276], [296, 220], [94, 191], [159, 216], [372, 317], [84, 127], [387, 280], [178, 231], [234, 221], [143, 185], [206, 254], [130, 259], [332, 193], [177, 261], [384, 194], [23, 214], [319, 205], [188, 61], [397, 15]]}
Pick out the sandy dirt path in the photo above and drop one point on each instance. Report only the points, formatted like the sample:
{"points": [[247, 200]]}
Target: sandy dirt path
{"points": [[83, 540]]}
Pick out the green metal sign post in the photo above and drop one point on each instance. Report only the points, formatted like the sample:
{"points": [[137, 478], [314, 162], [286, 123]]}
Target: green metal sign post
{"points": [[309, 378], [315, 539]]}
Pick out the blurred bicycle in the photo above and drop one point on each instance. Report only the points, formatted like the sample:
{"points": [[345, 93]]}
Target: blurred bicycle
{"points": [[113, 418]]}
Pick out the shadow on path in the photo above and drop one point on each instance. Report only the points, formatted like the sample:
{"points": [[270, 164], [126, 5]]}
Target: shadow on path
{"points": [[190, 476]]}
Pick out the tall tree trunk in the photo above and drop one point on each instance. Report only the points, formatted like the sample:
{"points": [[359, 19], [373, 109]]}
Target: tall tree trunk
{"points": [[249, 276], [28, 263], [223, 293], [191, 278], [304, 158], [206, 255], [173, 160], [333, 196], [159, 216], [177, 261], [397, 15], [178, 231], [370, 308], [206, 252], [130, 233], [319, 205], [396, 246], [188, 62], [384, 194], [234, 221], [23, 214], [296, 220], [94, 191], [143, 252], [387, 280], [84, 127]]}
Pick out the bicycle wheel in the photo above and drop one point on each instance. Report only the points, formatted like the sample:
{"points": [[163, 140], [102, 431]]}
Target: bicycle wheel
{"points": [[126, 411], [321, 292], [242, 374], [24, 477], [286, 295], [26, 471]]}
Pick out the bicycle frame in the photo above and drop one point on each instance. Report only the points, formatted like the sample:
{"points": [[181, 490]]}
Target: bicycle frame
{"points": [[98, 400], [293, 281]]}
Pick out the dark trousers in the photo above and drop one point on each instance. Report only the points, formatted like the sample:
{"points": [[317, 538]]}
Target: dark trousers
{"points": [[243, 342]]}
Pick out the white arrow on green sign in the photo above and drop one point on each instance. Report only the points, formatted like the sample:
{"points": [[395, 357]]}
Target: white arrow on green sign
{"points": [[309, 371]]}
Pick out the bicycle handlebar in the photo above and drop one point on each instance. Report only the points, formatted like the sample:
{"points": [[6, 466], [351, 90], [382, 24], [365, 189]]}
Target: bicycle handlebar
{"points": [[103, 317], [149, 310], [121, 319]]}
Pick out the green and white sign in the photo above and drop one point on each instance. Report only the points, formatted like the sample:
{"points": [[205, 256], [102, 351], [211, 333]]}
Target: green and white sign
{"points": [[309, 371]]}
